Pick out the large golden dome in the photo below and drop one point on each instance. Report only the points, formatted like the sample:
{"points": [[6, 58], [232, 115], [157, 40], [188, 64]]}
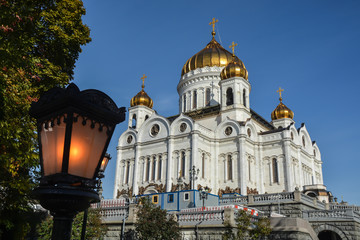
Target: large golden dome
{"points": [[282, 111], [212, 55], [142, 98]]}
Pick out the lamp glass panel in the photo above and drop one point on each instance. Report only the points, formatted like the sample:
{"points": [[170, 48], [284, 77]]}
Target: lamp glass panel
{"points": [[104, 163], [86, 147], [52, 146]]}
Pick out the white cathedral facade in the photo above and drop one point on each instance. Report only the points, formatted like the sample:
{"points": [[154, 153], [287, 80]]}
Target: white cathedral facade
{"points": [[216, 140]]}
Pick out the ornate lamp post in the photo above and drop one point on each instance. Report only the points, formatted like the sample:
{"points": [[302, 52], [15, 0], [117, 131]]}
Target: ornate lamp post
{"points": [[203, 194], [193, 176], [74, 130]]}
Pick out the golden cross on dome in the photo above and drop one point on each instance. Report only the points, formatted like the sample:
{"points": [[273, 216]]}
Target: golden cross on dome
{"points": [[143, 79], [279, 91], [232, 46], [213, 25]]}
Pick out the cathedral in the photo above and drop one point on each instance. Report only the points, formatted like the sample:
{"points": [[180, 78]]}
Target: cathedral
{"points": [[217, 141]]}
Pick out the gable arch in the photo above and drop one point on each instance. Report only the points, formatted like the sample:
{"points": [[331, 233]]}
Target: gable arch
{"points": [[304, 136], [250, 125], [123, 138], [317, 151], [175, 125], [295, 134], [220, 129], [144, 131]]}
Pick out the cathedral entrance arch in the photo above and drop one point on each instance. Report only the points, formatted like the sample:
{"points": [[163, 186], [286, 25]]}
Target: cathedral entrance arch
{"points": [[330, 232]]}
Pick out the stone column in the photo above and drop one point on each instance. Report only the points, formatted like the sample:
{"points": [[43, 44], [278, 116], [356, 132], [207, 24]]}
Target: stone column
{"points": [[270, 164], [135, 172], [225, 168], [169, 164], [288, 171], [314, 180], [194, 154], [131, 180], [242, 164], [260, 171], [156, 167], [151, 169], [301, 175], [233, 165], [143, 160], [123, 163], [214, 163], [117, 173]]}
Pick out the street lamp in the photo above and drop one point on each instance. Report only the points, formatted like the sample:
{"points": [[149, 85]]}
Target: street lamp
{"points": [[74, 130], [193, 176], [101, 175], [104, 164], [203, 194]]}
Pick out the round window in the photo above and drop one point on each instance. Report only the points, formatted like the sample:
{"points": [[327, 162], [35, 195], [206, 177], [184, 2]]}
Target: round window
{"points": [[155, 129], [183, 127], [228, 130], [129, 139]]}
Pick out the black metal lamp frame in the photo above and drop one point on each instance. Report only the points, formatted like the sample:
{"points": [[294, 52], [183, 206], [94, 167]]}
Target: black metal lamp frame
{"points": [[62, 193]]}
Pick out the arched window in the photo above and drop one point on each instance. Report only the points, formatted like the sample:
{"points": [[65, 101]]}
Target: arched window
{"points": [[184, 101], [229, 97], [229, 167], [133, 121], [203, 165], [159, 168], [146, 117], [182, 167], [147, 169], [195, 99], [244, 97], [275, 170], [207, 97], [303, 141], [127, 172], [153, 169]]}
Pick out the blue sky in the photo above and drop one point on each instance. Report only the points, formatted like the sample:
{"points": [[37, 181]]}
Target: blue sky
{"points": [[309, 48]]}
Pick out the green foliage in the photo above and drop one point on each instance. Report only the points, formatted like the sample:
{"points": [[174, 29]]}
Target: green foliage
{"points": [[153, 224], [246, 229], [40, 40], [94, 228]]}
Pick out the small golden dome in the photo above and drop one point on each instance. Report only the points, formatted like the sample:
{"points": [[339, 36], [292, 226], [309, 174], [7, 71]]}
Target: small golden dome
{"points": [[282, 111], [142, 98], [234, 69], [212, 55]]}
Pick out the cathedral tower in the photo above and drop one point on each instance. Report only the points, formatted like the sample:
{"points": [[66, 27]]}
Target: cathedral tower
{"points": [[140, 108], [235, 89]]}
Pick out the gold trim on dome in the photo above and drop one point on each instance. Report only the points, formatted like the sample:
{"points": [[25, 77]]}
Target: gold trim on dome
{"points": [[142, 98], [281, 111]]}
